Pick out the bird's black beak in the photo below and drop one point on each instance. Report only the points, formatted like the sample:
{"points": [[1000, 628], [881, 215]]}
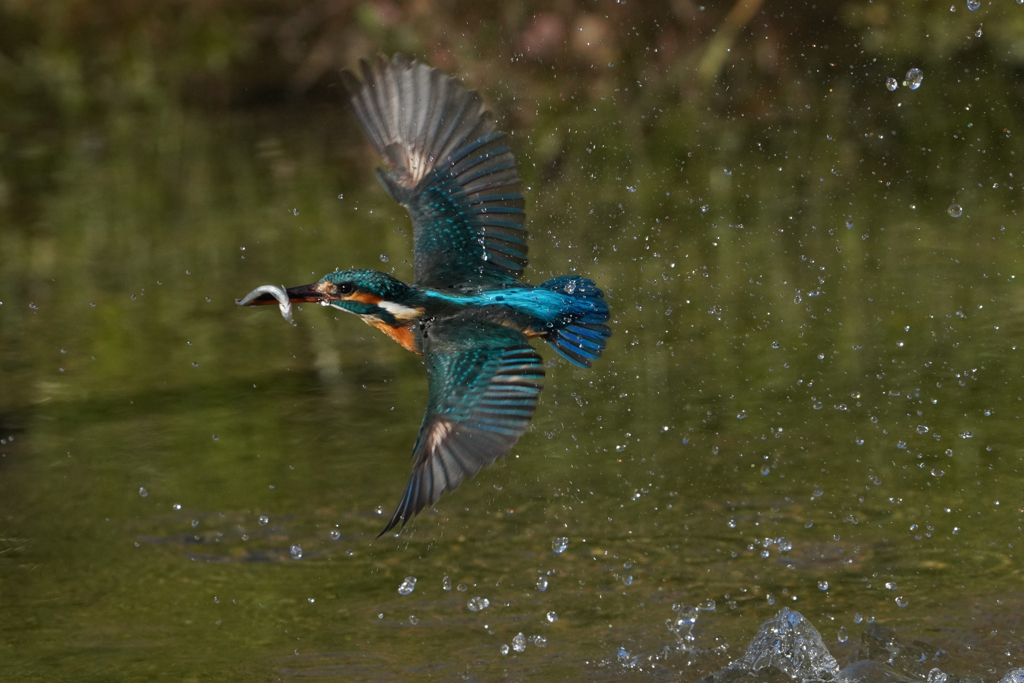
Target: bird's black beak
{"points": [[302, 293]]}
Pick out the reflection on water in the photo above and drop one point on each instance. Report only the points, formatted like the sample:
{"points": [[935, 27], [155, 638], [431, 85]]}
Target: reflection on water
{"points": [[811, 402]]}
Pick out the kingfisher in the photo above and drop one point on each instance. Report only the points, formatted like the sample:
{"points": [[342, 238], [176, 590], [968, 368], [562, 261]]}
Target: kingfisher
{"points": [[467, 312]]}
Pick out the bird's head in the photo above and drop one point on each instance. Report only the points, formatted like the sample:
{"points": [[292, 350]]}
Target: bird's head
{"points": [[376, 297]]}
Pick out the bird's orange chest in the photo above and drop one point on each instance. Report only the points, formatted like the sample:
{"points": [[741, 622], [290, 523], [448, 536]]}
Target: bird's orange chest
{"points": [[401, 334]]}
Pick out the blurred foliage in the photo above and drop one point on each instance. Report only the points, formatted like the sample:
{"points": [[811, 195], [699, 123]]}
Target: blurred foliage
{"points": [[79, 63]]}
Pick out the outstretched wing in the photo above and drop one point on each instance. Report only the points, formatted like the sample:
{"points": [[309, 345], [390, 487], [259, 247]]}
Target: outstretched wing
{"points": [[484, 380], [448, 167]]}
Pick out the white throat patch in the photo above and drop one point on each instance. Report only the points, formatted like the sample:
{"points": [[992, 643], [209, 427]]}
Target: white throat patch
{"points": [[401, 312]]}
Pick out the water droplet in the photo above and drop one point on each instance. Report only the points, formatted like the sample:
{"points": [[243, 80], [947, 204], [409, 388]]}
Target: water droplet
{"points": [[519, 643], [859, 441], [922, 429], [504, 649], [264, 520], [631, 188], [143, 492], [476, 604], [936, 676], [973, 4], [765, 470], [978, 33], [295, 212], [936, 472], [413, 619], [542, 583], [891, 84], [857, 617], [818, 493], [741, 415], [707, 605], [384, 258], [176, 506], [552, 617], [341, 196], [843, 635], [195, 523], [902, 601], [891, 585], [560, 544], [955, 211], [785, 545], [682, 624], [727, 172], [913, 78], [627, 580], [296, 551], [446, 583], [704, 208], [462, 587], [823, 585], [849, 223], [408, 585]]}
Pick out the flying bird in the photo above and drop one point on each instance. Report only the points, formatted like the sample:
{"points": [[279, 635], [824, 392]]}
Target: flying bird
{"points": [[466, 312]]}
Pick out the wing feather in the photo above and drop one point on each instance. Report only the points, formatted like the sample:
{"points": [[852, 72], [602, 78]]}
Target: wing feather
{"points": [[449, 167], [484, 381]]}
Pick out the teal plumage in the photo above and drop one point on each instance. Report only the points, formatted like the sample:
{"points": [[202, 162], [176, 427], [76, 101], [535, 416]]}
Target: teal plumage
{"points": [[466, 312], [449, 167]]}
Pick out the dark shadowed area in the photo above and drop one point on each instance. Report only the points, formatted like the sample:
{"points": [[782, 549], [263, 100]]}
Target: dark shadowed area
{"points": [[812, 398]]}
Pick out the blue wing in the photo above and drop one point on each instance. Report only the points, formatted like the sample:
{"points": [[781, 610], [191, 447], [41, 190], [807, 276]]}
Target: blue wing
{"points": [[449, 168], [484, 381]]}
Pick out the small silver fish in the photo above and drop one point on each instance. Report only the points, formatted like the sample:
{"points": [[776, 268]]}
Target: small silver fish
{"points": [[274, 291]]}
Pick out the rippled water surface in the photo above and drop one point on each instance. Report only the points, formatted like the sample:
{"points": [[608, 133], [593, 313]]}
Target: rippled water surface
{"points": [[812, 398]]}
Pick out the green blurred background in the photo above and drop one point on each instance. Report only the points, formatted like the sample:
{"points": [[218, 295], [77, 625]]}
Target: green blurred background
{"points": [[808, 344]]}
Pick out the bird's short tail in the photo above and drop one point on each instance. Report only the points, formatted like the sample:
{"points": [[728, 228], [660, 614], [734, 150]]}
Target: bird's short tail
{"points": [[580, 333]]}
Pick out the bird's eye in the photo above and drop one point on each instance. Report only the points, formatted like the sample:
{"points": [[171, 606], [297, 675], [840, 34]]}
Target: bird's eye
{"points": [[346, 288]]}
